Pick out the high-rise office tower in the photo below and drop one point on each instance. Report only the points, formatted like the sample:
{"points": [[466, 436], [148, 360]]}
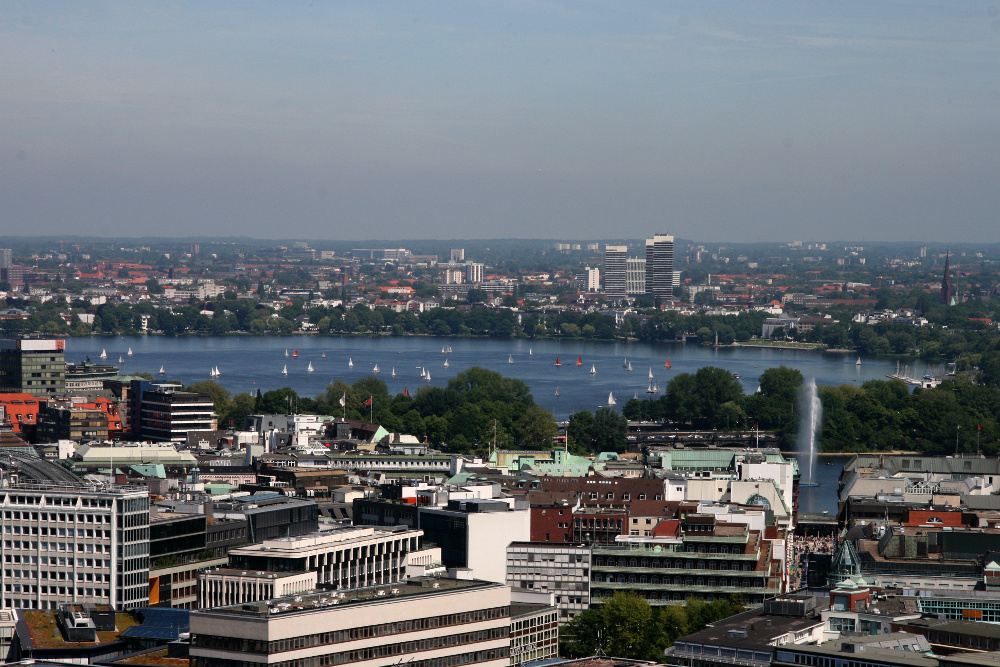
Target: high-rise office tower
{"points": [[660, 266], [6, 258], [635, 275], [33, 366], [615, 259]]}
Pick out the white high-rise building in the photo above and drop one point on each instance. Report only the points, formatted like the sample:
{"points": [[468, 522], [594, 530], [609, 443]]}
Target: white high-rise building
{"points": [[474, 272], [660, 266], [593, 279], [635, 275], [70, 543], [615, 258]]}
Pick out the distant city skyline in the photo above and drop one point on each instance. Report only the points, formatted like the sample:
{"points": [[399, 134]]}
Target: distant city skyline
{"points": [[726, 123]]}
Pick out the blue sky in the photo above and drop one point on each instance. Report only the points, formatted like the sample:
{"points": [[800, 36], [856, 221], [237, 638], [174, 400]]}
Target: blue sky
{"points": [[724, 121]]}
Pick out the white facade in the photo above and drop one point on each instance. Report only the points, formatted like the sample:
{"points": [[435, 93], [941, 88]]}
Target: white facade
{"points": [[593, 278], [474, 272], [635, 275], [74, 544]]}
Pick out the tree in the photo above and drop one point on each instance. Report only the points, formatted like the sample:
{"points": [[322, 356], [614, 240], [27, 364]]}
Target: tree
{"points": [[536, 428], [578, 431], [608, 432]]}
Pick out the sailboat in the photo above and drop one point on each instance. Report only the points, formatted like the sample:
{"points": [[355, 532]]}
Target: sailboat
{"points": [[593, 369], [858, 362], [423, 372], [530, 353], [650, 373], [653, 387], [446, 364], [129, 352], [310, 368], [286, 353], [284, 370], [625, 364], [393, 371], [295, 353], [557, 391], [579, 361], [161, 371], [629, 368], [449, 349], [611, 399], [324, 355], [558, 363], [350, 362], [211, 373], [376, 370], [667, 364], [510, 358], [104, 354], [428, 376], [121, 359], [444, 350]]}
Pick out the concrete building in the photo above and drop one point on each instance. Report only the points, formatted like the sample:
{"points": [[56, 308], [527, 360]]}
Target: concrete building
{"points": [[168, 414], [347, 557], [593, 278], [560, 569], [33, 366], [635, 275], [660, 266], [456, 255], [615, 262], [73, 543], [474, 272], [225, 586], [424, 623]]}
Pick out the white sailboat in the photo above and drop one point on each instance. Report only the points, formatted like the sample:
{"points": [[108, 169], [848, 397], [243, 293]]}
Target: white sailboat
{"points": [[629, 369], [376, 370], [284, 370], [130, 352], [350, 362], [652, 388], [393, 371], [625, 364], [218, 373], [428, 376], [557, 391], [324, 355], [858, 362], [161, 371], [449, 349], [121, 359], [286, 353], [510, 359], [444, 349], [104, 353], [211, 373], [310, 368], [530, 353], [593, 369], [423, 372], [611, 399], [446, 364]]}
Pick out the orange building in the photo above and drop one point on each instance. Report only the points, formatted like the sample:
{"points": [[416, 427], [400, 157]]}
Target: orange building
{"points": [[20, 411]]}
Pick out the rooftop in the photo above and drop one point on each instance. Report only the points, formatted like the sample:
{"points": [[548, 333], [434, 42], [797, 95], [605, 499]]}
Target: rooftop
{"points": [[312, 602], [44, 631]]}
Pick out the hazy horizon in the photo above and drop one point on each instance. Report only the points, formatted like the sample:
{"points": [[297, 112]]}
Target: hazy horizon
{"points": [[726, 123]]}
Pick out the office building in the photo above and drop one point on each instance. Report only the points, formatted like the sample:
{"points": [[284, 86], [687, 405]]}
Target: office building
{"points": [[6, 258], [474, 272], [660, 266], [534, 632], [615, 271], [593, 278], [166, 415], [456, 256], [635, 275], [69, 543], [560, 569], [33, 366], [424, 622]]}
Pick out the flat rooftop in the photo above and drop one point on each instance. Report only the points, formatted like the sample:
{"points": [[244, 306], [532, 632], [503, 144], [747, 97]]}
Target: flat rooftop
{"points": [[312, 602]]}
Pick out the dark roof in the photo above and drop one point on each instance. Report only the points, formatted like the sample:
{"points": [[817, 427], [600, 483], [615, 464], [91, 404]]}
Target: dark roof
{"points": [[161, 623], [760, 629]]}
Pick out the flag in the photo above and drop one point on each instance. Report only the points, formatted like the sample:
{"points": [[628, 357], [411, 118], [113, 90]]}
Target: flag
{"points": [[343, 400], [369, 401]]}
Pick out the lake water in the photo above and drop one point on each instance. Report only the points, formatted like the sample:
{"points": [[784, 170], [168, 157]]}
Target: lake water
{"points": [[248, 363]]}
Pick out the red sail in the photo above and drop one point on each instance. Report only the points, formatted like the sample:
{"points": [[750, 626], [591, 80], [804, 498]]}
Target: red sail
{"points": [[579, 361], [667, 364], [558, 363]]}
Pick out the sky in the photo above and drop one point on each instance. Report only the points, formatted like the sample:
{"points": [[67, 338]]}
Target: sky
{"points": [[713, 121]]}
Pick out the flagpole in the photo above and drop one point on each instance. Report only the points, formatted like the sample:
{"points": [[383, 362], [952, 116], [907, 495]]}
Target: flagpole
{"points": [[371, 409]]}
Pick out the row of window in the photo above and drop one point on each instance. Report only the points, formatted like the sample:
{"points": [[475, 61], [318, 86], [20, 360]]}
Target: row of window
{"points": [[24, 589], [667, 564], [63, 576], [45, 530], [325, 660], [677, 581], [349, 634], [55, 546]]}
